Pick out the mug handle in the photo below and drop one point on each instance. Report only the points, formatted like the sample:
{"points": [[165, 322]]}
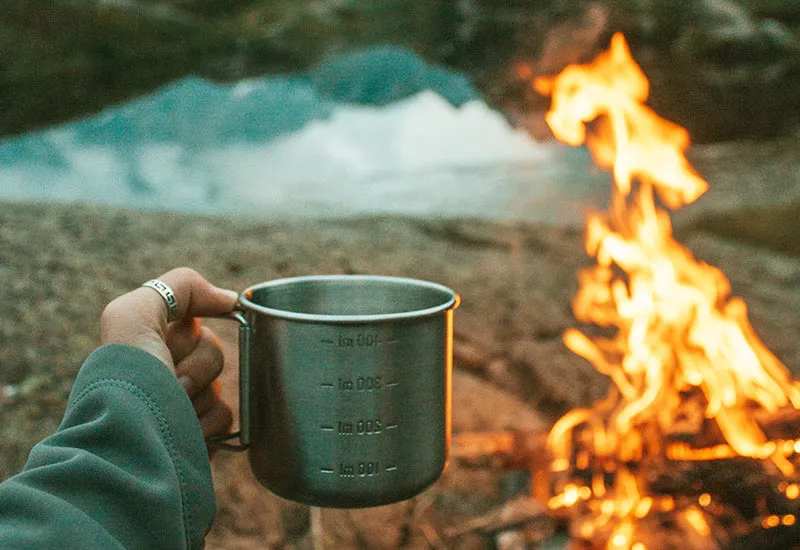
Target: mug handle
{"points": [[221, 441]]}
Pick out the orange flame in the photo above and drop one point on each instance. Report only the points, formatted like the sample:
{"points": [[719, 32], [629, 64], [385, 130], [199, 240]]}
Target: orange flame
{"points": [[678, 331]]}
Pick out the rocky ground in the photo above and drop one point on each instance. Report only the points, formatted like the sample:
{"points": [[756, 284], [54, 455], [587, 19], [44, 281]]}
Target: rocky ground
{"points": [[59, 265]]}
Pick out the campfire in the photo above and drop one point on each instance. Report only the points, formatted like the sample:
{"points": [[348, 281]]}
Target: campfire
{"points": [[692, 447]]}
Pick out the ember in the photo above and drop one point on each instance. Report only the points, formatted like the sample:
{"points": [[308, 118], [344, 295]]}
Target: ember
{"points": [[691, 381]]}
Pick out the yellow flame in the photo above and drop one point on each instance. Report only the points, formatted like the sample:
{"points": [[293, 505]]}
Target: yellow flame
{"points": [[677, 330], [698, 522], [651, 148], [771, 521], [676, 324]]}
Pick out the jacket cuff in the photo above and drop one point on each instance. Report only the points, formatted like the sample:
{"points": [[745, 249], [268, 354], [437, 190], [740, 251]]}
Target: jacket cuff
{"points": [[188, 449]]}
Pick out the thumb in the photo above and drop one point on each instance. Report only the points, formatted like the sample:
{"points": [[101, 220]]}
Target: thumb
{"points": [[195, 296], [139, 318]]}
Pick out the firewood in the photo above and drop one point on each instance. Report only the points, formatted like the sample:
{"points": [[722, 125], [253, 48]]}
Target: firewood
{"points": [[500, 450], [511, 515]]}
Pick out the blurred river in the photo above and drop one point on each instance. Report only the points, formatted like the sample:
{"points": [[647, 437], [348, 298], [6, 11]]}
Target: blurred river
{"points": [[340, 144]]}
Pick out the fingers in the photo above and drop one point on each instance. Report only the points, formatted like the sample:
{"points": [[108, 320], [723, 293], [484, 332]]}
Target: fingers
{"points": [[182, 337], [214, 414], [202, 365], [198, 374], [205, 400], [198, 371], [195, 296], [217, 420], [139, 318]]}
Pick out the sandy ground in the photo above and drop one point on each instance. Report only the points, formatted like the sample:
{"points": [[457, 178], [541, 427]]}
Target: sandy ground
{"points": [[59, 265]]}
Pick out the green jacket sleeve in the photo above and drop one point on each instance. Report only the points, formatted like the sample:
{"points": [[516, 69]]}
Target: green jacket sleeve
{"points": [[127, 468]]}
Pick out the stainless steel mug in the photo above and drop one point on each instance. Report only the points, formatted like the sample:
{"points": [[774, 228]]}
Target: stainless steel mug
{"points": [[345, 387]]}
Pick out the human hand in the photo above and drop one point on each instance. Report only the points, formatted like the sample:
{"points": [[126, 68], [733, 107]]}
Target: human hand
{"points": [[190, 350]]}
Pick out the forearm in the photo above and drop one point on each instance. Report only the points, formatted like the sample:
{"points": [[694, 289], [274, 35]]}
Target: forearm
{"points": [[127, 467]]}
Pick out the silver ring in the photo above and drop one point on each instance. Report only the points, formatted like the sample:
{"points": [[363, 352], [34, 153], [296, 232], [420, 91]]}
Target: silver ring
{"points": [[169, 297]]}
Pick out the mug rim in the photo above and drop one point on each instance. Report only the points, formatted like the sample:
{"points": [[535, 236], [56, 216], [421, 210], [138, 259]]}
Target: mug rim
{"points": [[245, 303]]}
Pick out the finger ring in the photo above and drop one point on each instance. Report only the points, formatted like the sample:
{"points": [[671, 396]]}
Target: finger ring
{"points": [[169, 297]]}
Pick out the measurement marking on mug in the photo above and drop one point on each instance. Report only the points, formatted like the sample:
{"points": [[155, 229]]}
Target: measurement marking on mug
{"points": [[360, 427], [328, 385], [391, 468], [359, 470], [362, 383], [392, 384], [360, 340], [327, 428], [391, 426], [326, 470]]}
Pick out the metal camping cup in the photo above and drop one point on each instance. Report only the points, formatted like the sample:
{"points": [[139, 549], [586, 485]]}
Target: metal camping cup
{"points": [[345, 387]]}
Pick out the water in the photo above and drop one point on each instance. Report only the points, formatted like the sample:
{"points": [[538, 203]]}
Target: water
{"points": [[346, 139]]}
